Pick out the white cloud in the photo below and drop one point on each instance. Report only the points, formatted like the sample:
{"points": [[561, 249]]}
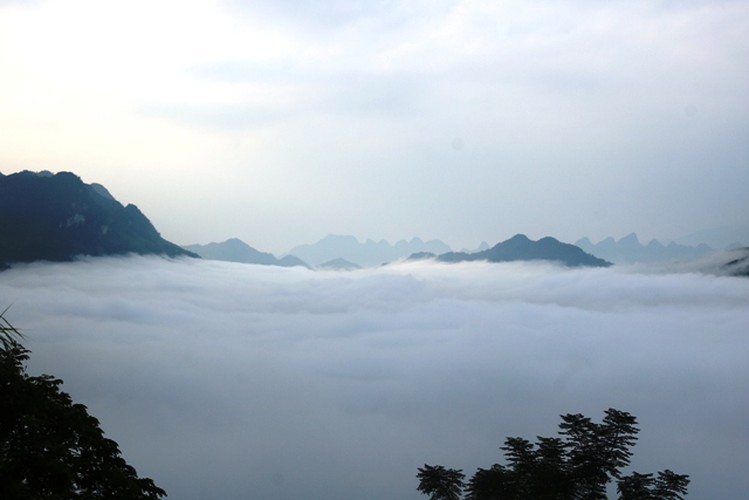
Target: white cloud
{"points": [[237, 381]]}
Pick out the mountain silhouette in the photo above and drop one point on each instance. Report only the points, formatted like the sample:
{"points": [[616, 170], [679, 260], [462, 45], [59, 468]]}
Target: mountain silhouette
{"points": [[367, 254], [629, 250], [423, 256], [58, 217], [339, 265], [236, 250], [733, 236], [520, 248]]}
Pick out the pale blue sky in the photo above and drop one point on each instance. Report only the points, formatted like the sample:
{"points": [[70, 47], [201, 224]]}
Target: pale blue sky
{"points": [[465, 121]]}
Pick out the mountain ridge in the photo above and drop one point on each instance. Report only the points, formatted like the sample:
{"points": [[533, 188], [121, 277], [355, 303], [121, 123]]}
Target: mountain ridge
{"points": [[721, 237], [629, 249], [365, 254], [521, 248], [236, 250], [57, 217]]}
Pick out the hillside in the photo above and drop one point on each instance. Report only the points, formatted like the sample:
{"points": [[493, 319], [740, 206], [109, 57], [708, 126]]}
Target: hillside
{"points": [[236, 250], [58, 217], [520, 247]]}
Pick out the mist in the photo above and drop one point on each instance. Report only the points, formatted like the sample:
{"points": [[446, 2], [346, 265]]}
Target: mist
{"points": [[234, 381]]}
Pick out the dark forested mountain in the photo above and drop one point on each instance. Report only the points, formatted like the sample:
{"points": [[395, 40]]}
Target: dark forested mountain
{"points": [[520, 247], [236, 250], [369, 253], [57, 217], [629, 249]]}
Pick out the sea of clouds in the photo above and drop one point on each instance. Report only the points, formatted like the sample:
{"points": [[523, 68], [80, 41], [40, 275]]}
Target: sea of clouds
{"points": [[233, 381]]}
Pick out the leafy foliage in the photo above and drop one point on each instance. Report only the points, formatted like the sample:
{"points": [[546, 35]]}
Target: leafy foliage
{"points": [[50, 447], [440, 483], [577, 465], [667, 486]]}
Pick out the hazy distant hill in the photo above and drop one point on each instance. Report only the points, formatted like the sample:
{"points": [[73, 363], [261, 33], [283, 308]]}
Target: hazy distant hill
{"points": [[736, 235], [629, 249], [423, 256], [57, 217], [728, 262], [369, 253], [520, 247], [339, 265], [236, 250], [482, 246], [738, 266]]}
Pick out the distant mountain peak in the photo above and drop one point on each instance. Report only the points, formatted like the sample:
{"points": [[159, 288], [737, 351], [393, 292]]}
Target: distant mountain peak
{"points": [[629, 249], [522, 248], [631, 238], [339, 264], [655, 244], [518, 238], [236, 250], [719, 237], [339, 238], [367, 254]]}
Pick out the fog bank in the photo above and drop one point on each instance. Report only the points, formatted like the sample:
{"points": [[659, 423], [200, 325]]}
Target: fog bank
{"points": [[234, 381]]}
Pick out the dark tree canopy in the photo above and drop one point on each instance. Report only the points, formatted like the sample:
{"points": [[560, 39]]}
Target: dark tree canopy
{"points": [[667, 486], [50, 447], [577, 465], [440, 483]]}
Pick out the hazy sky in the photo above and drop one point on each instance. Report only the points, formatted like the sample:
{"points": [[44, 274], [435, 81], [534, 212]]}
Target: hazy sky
{"points": [[233, 381], [282, 121]]}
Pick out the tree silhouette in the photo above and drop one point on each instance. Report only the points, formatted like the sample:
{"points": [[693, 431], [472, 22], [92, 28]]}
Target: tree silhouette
{"points": [[440, 483], [50, 447], [596, 452], [667, 486], [577, 465], [636, 486], [494, 483]]}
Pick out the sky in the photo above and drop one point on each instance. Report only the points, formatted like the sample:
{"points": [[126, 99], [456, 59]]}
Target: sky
{"points": [[280, 122], [235, 381]]}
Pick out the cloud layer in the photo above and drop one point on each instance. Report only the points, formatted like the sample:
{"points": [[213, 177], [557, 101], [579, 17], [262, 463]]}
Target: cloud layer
{"points": [[235, 381]]}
